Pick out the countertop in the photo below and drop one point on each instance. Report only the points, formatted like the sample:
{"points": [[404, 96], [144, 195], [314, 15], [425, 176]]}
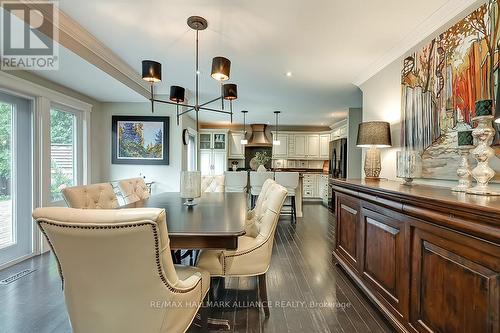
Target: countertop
{"points": [[426, 195]]}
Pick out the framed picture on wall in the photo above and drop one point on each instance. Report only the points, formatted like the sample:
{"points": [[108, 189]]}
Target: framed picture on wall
{"points": [[140, 140]]}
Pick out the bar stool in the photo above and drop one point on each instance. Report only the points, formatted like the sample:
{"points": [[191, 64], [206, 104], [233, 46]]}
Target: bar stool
{"points": [[257, 179], [235, 181], [290, 181]]}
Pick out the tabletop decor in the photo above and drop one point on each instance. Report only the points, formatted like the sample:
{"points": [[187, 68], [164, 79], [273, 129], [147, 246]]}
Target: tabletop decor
{"points": [[373, 135], [440, 85], [407, 165], [190, 186], [484, 133], [464, 173], [140, 140]]}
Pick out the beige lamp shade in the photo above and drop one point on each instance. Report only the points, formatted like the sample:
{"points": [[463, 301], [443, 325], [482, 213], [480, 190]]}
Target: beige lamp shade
{"points": [[190, 184], [374, 134]]}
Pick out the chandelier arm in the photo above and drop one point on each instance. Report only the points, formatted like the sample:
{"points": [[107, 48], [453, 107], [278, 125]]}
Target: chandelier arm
{"points": [[222, 95], [171, 103], [186, 111], [214, 110]]}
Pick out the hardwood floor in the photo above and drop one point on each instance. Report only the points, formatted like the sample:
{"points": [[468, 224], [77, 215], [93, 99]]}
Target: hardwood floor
{"points": [[307, 292]]}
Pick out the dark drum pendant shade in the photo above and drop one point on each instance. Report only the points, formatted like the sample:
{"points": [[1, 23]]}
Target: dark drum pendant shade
{"points": [[230, 91], [151, 71], [177, 94], [374, 133], [220, 68]]}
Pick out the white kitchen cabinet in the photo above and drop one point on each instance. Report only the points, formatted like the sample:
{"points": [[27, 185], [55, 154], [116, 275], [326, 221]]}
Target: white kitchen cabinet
{"points": [[324, 146], [236, 149], [323, 188], [312, 149], [281, 150], [300, 148], [213, 152], [339, 132]]}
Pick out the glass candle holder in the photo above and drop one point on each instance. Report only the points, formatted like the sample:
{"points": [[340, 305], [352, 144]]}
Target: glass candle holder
{"points": [[407, 165]]}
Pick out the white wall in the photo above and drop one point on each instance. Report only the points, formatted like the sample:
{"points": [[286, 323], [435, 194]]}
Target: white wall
{"points": [[166, 177], [382, 101]]}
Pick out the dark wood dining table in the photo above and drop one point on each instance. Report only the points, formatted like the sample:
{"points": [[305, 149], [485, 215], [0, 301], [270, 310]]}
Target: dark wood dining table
{"points": [[215, 222]]}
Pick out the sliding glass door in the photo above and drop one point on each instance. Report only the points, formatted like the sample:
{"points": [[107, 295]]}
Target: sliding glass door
{"points": [[16, 174]]}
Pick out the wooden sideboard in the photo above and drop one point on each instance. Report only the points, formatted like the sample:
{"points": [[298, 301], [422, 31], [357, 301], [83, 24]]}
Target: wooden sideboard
{"points": [[427, 257]]}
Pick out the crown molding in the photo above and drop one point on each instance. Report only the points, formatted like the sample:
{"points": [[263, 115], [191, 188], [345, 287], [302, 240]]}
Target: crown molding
{"points": [[440, 18], [77, 39]]}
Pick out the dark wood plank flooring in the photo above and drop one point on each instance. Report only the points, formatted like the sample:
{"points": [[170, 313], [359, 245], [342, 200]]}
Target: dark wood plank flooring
{"points": [[307, 292]]}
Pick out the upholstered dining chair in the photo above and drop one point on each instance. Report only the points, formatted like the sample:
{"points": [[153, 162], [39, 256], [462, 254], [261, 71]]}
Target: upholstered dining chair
{"points": [[133, 189], [235, 181], [117, 273], [253, 255], [290, 181], [94, 196], [257, 179]]}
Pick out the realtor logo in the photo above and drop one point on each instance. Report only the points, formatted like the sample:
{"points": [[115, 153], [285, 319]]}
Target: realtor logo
{"points": [[29, 35]]}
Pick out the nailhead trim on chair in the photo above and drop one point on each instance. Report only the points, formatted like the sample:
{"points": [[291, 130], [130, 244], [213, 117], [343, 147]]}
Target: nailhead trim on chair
{"points": [[157, 250]]}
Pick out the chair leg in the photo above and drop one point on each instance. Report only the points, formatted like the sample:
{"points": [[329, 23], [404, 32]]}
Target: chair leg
{"points": [[263, 294], [294, 211]]}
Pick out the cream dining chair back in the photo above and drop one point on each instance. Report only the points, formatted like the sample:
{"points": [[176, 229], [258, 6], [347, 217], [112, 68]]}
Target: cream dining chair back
{"points": [[94, 196], [133, 189], [253, 255], [117, 271]]}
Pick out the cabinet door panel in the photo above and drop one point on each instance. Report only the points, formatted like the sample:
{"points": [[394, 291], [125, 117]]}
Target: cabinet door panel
{"points": [[219, 162], [236, 149], [347, 228], [451, 292], [324, 146], [300, 145], [206, 162], [383, 258], [313, 146]]}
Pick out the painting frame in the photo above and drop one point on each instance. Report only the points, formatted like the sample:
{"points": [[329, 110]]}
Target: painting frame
{"points": [[158, 121]]}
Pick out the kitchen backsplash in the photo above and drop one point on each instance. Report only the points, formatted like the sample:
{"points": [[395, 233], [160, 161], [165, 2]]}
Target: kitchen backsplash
{"points": [[300, 164]]}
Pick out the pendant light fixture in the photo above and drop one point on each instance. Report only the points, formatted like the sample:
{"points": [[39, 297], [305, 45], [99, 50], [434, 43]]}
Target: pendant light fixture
{"points": [[244, 141], [151, 72], [276, 142]]}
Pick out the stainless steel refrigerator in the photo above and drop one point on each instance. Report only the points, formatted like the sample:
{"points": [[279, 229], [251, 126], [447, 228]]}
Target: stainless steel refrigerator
{"points": [[338, 166]]}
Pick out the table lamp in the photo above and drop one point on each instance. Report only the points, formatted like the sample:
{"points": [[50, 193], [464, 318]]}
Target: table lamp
{"points": [[190, 186], [373, 135]]}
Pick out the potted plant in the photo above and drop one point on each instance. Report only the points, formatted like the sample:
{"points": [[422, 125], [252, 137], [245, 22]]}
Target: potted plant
{"points": [[262, 158]]}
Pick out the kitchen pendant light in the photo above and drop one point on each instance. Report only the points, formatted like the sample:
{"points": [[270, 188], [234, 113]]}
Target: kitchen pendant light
{"points": [[244, 141], [151, 72], [276, 142]]}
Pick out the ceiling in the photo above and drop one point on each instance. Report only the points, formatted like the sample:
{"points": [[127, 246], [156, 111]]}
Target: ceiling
{"points": [[325, 44]]}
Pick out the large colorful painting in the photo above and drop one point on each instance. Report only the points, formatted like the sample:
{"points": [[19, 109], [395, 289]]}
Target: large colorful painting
{"points": [[440, 85], [140, 140]]}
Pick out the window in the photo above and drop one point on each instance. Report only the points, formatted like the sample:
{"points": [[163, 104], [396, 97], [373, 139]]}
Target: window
{"points": [[62, 151], [6, 232]]}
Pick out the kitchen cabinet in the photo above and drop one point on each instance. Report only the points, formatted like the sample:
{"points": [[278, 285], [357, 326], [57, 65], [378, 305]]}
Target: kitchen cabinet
{"points": [[324, 146], [323, 188], [312, 151], [314, 185], [281, 150], [339, 133], [213, 152], [236, 149], [299, 146]]}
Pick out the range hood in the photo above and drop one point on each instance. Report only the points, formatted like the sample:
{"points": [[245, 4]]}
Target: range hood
{"points": [[259, 138]]}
